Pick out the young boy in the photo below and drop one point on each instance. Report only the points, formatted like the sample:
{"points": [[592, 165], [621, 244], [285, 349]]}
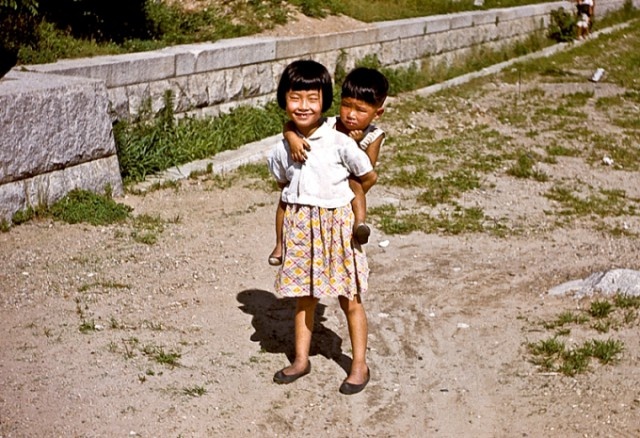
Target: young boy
{"points": [[364, 92]]}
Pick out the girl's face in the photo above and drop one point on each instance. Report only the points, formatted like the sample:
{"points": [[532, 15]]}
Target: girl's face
{"points": [[357, 114], [304, 108]]}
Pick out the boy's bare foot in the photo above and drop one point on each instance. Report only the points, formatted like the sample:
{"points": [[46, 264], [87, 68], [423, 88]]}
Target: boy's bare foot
{"points": [[361, 233]]}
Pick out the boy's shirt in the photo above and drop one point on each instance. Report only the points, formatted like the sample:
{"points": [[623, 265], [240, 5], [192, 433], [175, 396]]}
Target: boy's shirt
{"points": [[371, 133]]}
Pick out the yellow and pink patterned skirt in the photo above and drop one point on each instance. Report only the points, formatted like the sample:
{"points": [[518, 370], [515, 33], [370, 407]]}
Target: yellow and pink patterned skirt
{"points": [[319, 257]]}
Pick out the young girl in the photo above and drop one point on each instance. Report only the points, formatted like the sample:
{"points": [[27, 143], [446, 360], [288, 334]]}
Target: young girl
{"points": [[319, 257], [364, 91]]}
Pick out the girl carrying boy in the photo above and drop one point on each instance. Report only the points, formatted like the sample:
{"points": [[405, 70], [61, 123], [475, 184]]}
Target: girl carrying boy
{"points": [[319, 258], [364, 91]]}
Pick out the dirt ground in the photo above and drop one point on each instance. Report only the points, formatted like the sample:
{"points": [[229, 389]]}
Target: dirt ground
{"points": [[106, 337]]}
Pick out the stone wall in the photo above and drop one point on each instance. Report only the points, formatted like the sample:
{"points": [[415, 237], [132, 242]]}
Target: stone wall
{"points": [[56, 118], [56, 136], [210, 77]]}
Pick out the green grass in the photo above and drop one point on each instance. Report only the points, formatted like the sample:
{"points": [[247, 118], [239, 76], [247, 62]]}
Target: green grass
{"points": [[554, 355], [195, 391], [380, 10], [161, 356], [151, 146], [601, 203], [421, 161], [83, 206]]}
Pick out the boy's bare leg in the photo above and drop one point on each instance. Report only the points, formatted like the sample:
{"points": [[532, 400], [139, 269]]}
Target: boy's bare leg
{"points": [[358, 332], [275, 258], [361, 230]]}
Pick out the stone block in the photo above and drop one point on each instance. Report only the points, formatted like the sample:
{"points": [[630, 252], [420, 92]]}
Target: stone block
{"points": [[116, 70], [235, 52], [401, 29], [437, 24], [49, 122], [461, 20], [482, 18], [47, 188]]}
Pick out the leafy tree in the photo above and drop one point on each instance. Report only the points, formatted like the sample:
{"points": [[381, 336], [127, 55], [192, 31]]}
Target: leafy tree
{"points": [[18, 20]]}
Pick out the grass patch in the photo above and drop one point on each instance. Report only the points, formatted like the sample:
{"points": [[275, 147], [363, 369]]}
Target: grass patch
{"points": [[524, 167], [601, 204], [161, 356], [103, 285], [554, 355], [150, 146], [82, 206], [195, 391]]}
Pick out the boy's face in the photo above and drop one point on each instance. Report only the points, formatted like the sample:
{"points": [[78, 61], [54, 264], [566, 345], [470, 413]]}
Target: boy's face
{"points": [[304, 108], [357, 114]]}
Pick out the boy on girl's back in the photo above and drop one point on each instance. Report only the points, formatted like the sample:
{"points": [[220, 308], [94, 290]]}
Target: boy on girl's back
{"points": [[364, 92], [320, 259]]}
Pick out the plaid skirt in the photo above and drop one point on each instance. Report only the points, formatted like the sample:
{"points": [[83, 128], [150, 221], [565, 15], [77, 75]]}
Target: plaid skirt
{"points": [[319, 257]]}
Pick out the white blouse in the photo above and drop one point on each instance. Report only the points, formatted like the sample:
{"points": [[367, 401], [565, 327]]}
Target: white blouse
{"points": [[322, 180]]}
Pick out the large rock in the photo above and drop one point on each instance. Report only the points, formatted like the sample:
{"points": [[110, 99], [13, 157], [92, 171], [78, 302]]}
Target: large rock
{"points": [[607, 283]]}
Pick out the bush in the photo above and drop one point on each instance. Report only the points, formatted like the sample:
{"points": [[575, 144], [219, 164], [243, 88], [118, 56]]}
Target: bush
{"points": [[104, 21], [563, 26]]}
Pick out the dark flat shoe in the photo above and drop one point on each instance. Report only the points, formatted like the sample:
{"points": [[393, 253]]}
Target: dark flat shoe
{"points": [[281, 378], [362, 233], [275, 261], [350, 388]]}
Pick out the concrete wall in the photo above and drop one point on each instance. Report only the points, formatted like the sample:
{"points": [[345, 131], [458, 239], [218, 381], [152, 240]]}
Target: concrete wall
{"points": [[56, 118]]}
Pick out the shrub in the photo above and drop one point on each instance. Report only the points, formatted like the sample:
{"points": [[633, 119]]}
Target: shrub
{"points": [[115, 20], [563, 26]]}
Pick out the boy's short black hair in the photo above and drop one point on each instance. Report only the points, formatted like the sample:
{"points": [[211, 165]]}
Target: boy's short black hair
{"points": [[366, 84], [304, 75]]}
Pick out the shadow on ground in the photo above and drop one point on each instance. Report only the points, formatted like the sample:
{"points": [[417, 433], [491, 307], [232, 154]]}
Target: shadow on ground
{"points": [[274, 329]]}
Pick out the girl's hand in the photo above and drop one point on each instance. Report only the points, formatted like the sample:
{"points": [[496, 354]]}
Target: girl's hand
{"points": [[357, 135]]}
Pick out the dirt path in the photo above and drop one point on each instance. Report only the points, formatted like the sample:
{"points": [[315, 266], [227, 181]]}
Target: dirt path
{"points": [[107, 337], [448, 315]]}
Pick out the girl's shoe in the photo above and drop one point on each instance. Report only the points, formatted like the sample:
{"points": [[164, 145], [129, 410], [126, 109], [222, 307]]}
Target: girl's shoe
{"points": [[281, 378], [350, 388], [362, 233]]}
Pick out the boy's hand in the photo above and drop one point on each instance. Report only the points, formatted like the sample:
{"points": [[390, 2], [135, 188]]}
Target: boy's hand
{"points": [[298, 149], [357, 135]]}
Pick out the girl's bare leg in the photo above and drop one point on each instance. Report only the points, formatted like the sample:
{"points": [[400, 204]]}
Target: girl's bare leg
{"points": [[358, 332], [275, 258], [305, 312]]}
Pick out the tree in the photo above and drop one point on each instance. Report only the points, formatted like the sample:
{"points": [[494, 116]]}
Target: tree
{"points": [[18, 20]]}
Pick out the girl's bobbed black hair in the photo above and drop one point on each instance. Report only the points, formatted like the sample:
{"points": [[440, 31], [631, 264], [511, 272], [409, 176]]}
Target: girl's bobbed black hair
{"points": [[304, 75]]}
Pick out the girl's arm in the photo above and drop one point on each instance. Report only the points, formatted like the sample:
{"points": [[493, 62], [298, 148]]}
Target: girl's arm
{"points": [[296, 144]]}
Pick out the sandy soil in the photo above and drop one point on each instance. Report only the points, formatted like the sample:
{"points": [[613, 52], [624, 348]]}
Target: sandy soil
{"points": [[185, 335]]}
